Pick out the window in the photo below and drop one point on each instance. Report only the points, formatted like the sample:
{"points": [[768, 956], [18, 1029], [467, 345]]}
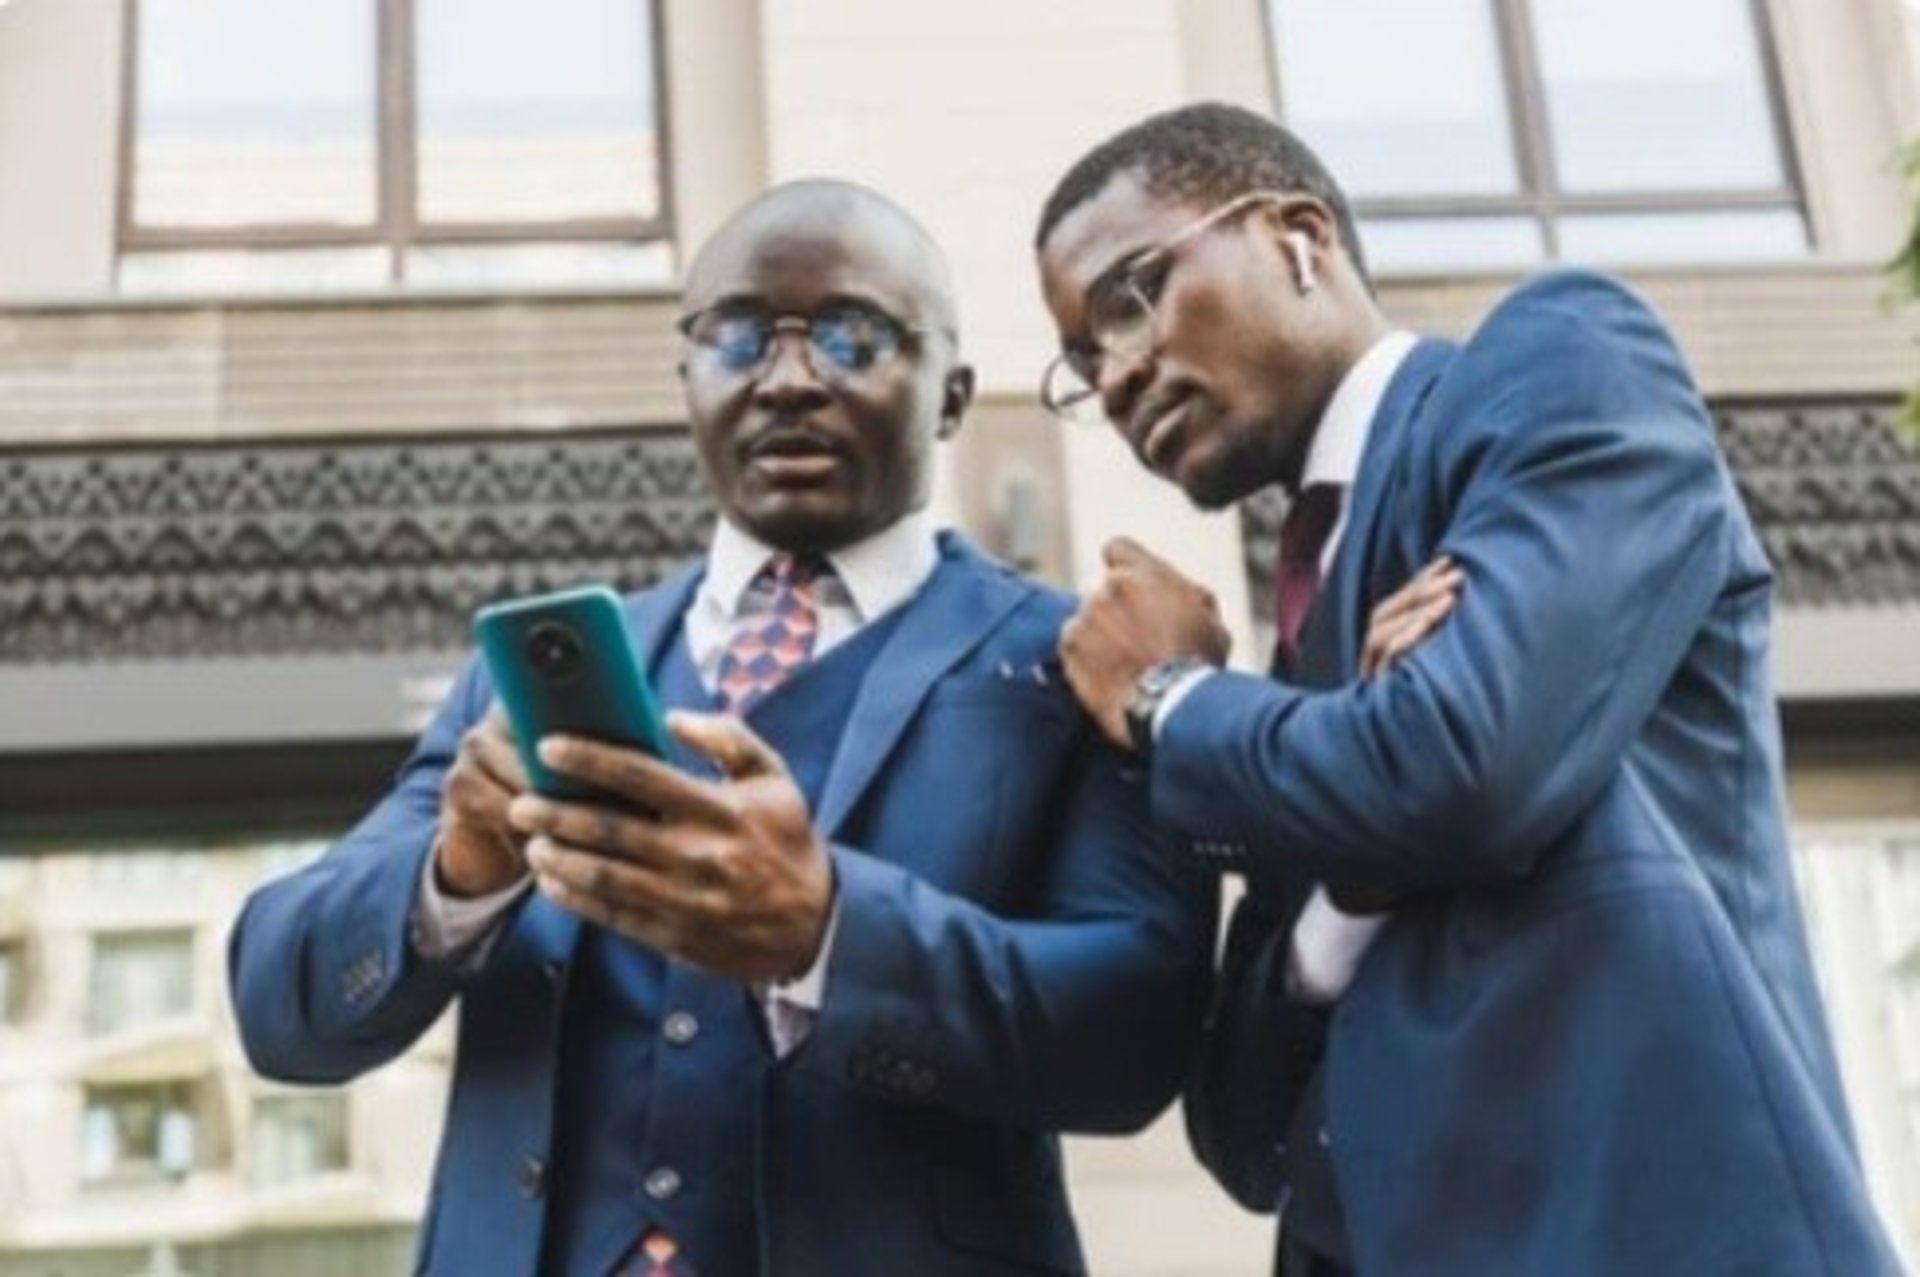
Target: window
{"points": [[296, 1137], [1862, 894], [139, 978], [13, 981], [148, 873], [1500, 133], [145, 1131], [345, 144]]}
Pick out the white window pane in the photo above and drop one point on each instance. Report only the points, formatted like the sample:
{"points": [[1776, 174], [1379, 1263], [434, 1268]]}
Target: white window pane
{"points": [[296, 1137], [139, 979], [1656, 95], [248, 272], [10, 982], [536, 112], [1423, 112], [138, 1131], [1859, 892], [1441, 244], [254, 111], [1682, 238], [513, 266]]}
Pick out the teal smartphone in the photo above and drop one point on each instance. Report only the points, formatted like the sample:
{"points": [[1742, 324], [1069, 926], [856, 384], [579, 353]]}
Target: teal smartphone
{"points": [[564, 664]]}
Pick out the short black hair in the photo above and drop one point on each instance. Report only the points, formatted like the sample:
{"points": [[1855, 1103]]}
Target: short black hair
{"points": [[1208, 153]]}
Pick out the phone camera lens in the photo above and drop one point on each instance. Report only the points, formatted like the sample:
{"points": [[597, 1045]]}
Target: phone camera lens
{"points": [[553, 650]]}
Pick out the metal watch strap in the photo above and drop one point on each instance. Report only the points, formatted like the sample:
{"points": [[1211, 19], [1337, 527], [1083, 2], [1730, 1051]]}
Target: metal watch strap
{"points": [[1148, 691]]}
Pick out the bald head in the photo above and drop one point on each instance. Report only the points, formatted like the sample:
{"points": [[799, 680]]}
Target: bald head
{"points": [[821, 364], [791, 224]]}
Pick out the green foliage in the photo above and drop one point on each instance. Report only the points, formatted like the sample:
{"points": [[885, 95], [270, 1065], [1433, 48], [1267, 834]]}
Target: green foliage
{"points": [[1905, 267]]}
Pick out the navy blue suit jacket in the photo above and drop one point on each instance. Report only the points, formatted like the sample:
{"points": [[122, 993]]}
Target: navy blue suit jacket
{"points": [[1016, 956], [1588, 1040]]}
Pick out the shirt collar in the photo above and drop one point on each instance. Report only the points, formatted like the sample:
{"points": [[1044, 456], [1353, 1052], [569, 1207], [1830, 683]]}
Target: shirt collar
{"points": [[1341, 439], [879, 573]]}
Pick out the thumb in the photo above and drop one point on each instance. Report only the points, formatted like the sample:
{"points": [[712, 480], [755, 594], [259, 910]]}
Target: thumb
{"points": [[1122, 552], [733, 746]]}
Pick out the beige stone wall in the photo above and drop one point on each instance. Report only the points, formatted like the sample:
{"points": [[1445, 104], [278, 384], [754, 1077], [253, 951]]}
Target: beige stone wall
{"points": [[59, 139]]}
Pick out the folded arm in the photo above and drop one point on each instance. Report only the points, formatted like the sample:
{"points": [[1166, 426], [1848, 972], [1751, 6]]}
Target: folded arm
{"points": [[1592, 524]]}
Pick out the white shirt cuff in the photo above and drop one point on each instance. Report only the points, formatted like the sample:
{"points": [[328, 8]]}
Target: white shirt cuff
{"points": [[792, 1006], [1177, 693], [446, 926], [1327, 948]]}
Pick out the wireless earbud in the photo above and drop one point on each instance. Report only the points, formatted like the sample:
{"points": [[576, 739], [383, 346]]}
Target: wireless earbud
{"points": [[1301, 250]]}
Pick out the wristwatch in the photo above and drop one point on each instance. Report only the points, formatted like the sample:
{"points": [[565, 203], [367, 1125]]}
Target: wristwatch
{"points": [[1148, 691]]}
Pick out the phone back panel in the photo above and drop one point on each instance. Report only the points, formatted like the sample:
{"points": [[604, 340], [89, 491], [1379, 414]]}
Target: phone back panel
{"points": [[564, 663]]}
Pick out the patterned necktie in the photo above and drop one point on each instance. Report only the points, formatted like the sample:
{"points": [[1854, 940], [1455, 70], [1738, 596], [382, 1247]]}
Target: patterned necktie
{"points": [[655, 1256], [774, 640], [1296, 572]]}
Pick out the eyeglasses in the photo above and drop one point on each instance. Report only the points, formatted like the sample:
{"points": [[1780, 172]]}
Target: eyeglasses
{"points": [[1120, 314], [845, 339]]}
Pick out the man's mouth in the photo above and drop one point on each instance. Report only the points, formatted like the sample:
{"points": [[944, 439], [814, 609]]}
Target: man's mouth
{"points": [[795, 454], [1160, 441]]}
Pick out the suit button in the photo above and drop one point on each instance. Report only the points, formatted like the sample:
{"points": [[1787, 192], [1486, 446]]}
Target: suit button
{"points": [[663, 1183], [533, 1177], [680, 1028], [1326, 1140], [553, 971]]}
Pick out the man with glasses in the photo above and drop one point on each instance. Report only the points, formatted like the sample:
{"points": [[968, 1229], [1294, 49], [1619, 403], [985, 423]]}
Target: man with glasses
{"points": [[816, 998], [1519, 984]]}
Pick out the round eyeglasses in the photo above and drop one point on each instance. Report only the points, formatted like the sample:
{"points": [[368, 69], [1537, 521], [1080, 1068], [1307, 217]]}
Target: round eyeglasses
{"points": [[1120, 315], [844, 340]]}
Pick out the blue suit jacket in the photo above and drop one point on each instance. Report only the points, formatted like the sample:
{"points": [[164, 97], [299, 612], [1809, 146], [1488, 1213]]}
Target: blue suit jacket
{"points": [[1588, 1040], [1016, 955]]}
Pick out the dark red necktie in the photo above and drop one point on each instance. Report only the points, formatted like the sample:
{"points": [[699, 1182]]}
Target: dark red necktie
{"points": [[1296, 571]]}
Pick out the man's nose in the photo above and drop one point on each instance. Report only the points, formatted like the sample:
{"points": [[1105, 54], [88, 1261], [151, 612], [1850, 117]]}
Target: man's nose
{"points": [[1119, 380], [789, 376]]}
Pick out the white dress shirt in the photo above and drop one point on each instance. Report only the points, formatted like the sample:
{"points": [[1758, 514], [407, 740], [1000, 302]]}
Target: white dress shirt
{"points": [[1328, 944], [870, 579]]}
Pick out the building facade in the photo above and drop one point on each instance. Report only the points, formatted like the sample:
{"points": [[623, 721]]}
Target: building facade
{"points": [[324, 321]]}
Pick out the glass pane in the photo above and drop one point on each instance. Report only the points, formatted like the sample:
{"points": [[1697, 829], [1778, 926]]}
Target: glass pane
{"points": [[9, 981], [296, 1137], [515, 266], [144, 1131], [1422, 113], [248, 272], [1446, 244], [1653, 95], [1862, 899], [536, 112], [138, 979], [1657, 238], [254, 111]]}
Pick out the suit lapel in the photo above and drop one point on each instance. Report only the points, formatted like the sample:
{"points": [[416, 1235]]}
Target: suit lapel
{"points": [[653, 616], [958, 607], [1330, 648]]}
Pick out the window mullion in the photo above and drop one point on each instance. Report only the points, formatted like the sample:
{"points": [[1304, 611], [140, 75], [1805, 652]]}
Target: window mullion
{"points": [[399, 213], [1527, 104]]}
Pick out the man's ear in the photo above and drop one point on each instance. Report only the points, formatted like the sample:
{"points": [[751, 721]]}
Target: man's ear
{"points": [[956, 393]]}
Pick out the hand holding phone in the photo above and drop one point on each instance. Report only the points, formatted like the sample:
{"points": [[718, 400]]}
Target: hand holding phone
{"points": [[563, 664]]}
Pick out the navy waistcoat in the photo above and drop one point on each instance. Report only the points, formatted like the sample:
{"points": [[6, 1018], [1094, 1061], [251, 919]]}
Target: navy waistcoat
{"points": [[662, 1066]]}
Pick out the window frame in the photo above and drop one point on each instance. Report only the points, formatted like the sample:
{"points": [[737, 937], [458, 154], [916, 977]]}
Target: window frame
{"points": [[397, 226], [1540, 199]]}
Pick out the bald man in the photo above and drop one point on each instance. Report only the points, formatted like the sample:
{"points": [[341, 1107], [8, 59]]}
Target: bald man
{"points": [[901, 918]]}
